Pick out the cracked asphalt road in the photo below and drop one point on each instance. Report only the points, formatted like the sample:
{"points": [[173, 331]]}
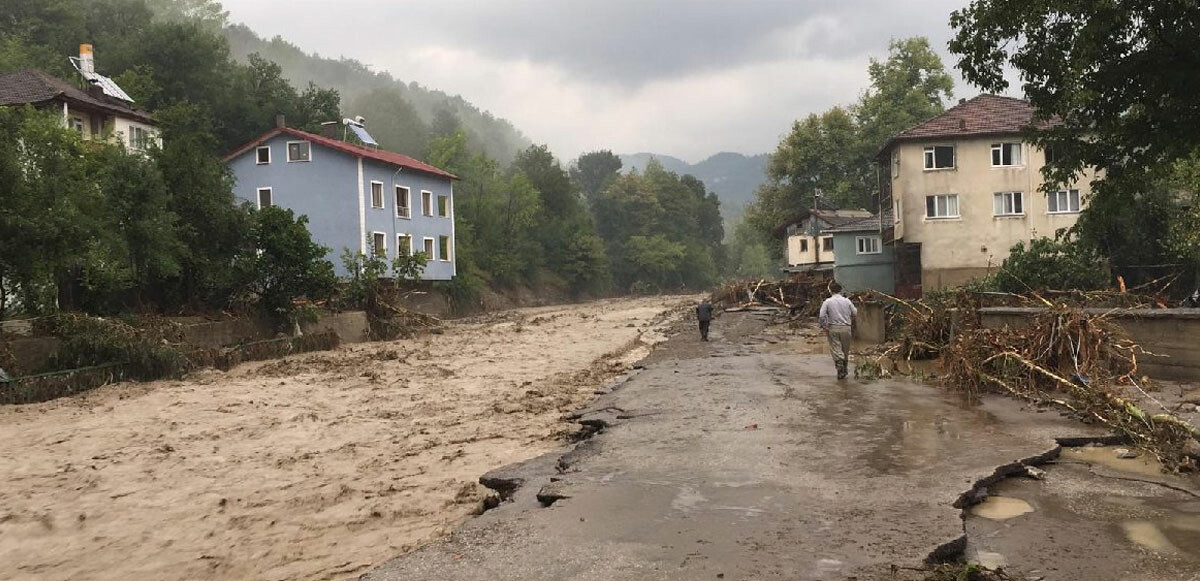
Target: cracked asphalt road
{"points": [[744, 459]]}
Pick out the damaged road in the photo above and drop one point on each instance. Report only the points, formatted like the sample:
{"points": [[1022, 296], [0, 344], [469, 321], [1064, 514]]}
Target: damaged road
{"points": [[744, 459]]}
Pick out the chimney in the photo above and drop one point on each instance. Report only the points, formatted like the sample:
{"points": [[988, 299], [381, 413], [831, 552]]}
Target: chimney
{"points": [[280, 122], [87, 63]]}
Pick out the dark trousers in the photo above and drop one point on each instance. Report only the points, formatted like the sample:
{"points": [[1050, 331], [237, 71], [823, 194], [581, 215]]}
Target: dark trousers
{"points": [[704, 330]]}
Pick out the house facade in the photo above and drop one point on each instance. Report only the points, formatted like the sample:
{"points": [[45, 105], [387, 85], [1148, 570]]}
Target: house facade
{"points": [[861, 260], [806, 244], [964, 187], [355, 197], [90, 111]]}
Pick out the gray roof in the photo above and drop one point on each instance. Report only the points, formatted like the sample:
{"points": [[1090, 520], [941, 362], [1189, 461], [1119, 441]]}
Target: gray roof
{"points": [[33, 87], [868, 224]]}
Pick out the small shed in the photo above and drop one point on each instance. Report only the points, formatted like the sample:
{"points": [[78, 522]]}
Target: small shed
{"points": [[861, 259]]}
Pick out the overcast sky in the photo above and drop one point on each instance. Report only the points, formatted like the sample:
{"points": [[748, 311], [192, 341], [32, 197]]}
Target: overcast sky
{"points": [[687, 78]]}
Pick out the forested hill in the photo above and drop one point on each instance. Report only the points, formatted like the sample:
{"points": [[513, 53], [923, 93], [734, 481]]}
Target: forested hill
{"points": [[734, 177], [402, 116]]}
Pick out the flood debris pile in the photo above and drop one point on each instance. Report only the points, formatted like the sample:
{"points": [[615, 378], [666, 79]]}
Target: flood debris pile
{"points": [[800, 295], [1081, 363]]}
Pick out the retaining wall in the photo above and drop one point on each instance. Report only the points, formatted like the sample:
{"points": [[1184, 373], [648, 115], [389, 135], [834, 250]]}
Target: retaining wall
{"points": [[870, 325], [1172, 334]]}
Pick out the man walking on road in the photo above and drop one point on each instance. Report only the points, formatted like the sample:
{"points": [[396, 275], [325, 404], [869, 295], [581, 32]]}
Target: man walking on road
{"points": [[836, 319], [704, 312]]}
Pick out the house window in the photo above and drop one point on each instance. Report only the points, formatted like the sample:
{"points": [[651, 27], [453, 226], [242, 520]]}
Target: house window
{"points": [[444, 248], [97, 126], [377, 194], [443, 206], [427, 203], [264, 198], [804, 245], [941, 206], [379, 244], [139, 138], [76, 123], [262, 155], [1006, 154], [827, 244], [404, 244], [402, 207], [896, 163], [939, 157], [298, 151], [1009, 203], [1051, 154], [428, 248], [869, 244], [1063, 202]]}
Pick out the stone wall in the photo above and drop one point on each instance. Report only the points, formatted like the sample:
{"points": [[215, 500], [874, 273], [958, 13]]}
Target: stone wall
{"points": [[1171, 334], [871, 323]]}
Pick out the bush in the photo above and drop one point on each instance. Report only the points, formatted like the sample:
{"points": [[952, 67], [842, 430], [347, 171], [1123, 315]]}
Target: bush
{"points": [[1051, 264]]}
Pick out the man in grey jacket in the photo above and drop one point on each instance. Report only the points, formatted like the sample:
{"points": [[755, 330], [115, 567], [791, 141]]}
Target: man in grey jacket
{"points": [[837, 320]]}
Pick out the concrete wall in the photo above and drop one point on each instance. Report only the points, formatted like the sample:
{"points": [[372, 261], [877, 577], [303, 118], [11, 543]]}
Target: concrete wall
{"points": [[952, 248], [328, 190], [857, 272], [870, 324], [1172, 333]]}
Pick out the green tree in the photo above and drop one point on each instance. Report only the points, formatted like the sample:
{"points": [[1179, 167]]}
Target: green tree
{"points": [[594, 171], [1117, 75], [1050, 264], [284, 263], [908, 88], [211, 226]]}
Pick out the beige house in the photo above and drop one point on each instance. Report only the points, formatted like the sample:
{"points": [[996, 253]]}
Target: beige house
{"points": [[964, 187], [807, 244], [94, 106]]}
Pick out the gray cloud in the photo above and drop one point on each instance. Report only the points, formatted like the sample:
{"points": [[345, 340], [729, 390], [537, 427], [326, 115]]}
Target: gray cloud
{"points": [[627, 65]]}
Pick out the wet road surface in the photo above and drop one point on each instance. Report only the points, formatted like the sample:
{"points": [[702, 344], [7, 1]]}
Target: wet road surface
{"points": [[743, 459]]}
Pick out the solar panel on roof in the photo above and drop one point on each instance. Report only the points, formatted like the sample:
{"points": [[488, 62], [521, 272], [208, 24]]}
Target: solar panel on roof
{"points": [[362, 134], [109, 86]]}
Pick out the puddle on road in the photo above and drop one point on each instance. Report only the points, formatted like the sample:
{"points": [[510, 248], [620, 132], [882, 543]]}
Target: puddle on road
{"points": [[1175, 535], [1143, 465], [1001, 508]]}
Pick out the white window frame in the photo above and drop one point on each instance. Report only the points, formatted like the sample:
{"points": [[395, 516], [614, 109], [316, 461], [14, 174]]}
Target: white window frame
{"points": [[868, 245], [930, 157], [438, 209], [376, 236], [399, 246], [1016, 154], [1001, 200], [429, 247], [288, 149], [1078, 202], [382, 200], [947, 216], [258, 196], [427, 210], [404, 211], [444, 256], [259, 149]]}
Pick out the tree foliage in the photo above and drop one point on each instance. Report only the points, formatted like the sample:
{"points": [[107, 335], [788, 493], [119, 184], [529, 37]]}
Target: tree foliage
{"points": [[832, 153], [1051, 264]]}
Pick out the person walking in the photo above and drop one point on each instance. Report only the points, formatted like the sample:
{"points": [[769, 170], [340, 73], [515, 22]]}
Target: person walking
{"points": [[704, 313], [836, 319]]}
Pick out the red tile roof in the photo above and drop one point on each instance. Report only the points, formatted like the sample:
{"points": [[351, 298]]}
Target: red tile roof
{"points": [[397, 159], [33, 87], [983, 115]]}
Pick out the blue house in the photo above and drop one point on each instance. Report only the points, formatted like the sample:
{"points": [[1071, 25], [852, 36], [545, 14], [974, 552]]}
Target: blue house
{"points": [[355, 197], [861, 260]]}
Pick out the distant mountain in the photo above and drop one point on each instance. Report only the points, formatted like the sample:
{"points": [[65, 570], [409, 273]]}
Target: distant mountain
{"points": [[733, 176]]}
